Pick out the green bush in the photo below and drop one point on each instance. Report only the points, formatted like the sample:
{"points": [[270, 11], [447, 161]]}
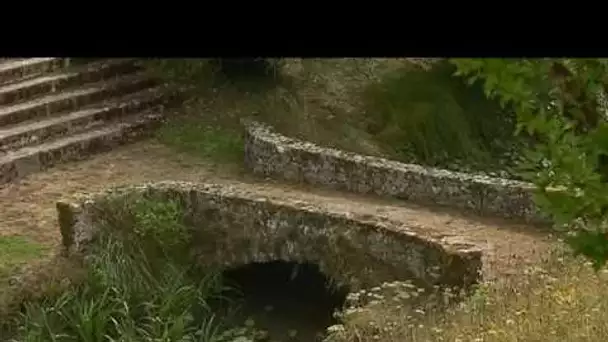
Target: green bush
{"points": [[434, 118], [558, 102]]}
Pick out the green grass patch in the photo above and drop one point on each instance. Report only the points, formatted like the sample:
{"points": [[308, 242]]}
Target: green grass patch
{"points": [[15, 251], [195, 137], [435, 118]]}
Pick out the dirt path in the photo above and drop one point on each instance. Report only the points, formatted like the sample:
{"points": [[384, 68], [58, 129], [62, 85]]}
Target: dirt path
{"points": [[28, 208]]}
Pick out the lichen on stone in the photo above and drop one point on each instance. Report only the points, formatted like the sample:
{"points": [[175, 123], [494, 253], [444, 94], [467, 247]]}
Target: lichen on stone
{"points": [[233, 226], [273, 155]]}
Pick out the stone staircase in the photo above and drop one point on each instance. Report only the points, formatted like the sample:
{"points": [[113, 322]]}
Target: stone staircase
{"points": [[54, 110]]}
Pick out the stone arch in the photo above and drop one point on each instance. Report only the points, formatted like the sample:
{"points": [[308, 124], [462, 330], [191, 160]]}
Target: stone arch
{"points": [[234, 226]]}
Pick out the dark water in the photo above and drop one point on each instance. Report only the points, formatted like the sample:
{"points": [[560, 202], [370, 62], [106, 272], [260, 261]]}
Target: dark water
{"points": [[283, 298]]}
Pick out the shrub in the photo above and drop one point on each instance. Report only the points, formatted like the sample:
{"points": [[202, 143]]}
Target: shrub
{"points": [[196, 137], [559, 103], [436, 118]]}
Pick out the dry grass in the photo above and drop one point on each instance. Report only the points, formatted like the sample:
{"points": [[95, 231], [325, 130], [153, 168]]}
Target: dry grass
{"points": [[561, 299]]}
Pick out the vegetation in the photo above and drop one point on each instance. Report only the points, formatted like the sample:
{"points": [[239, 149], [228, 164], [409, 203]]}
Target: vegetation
{"points": [[403, 112], [139, 286], [16, 251], [392, 108], [559, 103], [201, 139], [560, 300], [546, 115]]}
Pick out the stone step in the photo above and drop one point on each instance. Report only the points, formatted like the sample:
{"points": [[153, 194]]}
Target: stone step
{"points": [[20, 69], [75, 99], [36, 87], [20, 163], [38, 131]]}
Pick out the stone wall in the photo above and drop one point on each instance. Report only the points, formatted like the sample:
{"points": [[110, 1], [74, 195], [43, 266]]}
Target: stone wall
{"points": [[271, 154], [233, 227]]}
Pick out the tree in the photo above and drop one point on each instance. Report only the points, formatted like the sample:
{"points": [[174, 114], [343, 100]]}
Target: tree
{"points": [[559, 103]]}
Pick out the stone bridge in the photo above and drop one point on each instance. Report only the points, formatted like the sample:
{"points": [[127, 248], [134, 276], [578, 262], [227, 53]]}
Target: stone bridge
{"points": [[234, 226]]}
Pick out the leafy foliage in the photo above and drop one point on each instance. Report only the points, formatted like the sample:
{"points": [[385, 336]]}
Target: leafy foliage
{"points": [[558, 102]]}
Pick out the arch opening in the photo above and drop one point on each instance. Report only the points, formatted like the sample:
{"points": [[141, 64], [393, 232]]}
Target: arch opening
{"points": [[285, 301]]}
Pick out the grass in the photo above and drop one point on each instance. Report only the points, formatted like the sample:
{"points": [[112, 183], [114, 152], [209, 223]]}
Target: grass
{"points": [[562, 299], [386, 107], [400, 109], [197, 138], [432, 117], [393, 108], [133, 289], [125, 298], [16, 251]]}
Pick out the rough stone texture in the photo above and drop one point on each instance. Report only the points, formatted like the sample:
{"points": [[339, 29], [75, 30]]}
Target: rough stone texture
{"points": [[271, 154], [95, 72], [18, 164], [49, 117], [233, 227], [14, 70], [72, 100]]}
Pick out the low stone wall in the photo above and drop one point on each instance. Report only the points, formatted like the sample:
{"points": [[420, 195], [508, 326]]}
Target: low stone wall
{"points": [[271, 154], [233, 227]]}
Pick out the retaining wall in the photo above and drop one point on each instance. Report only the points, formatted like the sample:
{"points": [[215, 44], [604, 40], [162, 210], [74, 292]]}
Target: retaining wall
{"points": [[271, 154]]}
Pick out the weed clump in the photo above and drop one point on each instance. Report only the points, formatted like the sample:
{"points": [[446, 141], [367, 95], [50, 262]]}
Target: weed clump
{"points": [[432, 117], [204, 72], [139, 286]]}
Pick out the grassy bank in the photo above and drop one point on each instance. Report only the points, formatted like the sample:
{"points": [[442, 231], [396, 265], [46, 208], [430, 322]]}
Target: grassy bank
{"points": [[402, 109], [138, 284], [560, 300], [396, 108]]}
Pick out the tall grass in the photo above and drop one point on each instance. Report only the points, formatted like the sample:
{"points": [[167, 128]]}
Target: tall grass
{"points": [[135, 289], [393, 108], [432, 117]]}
